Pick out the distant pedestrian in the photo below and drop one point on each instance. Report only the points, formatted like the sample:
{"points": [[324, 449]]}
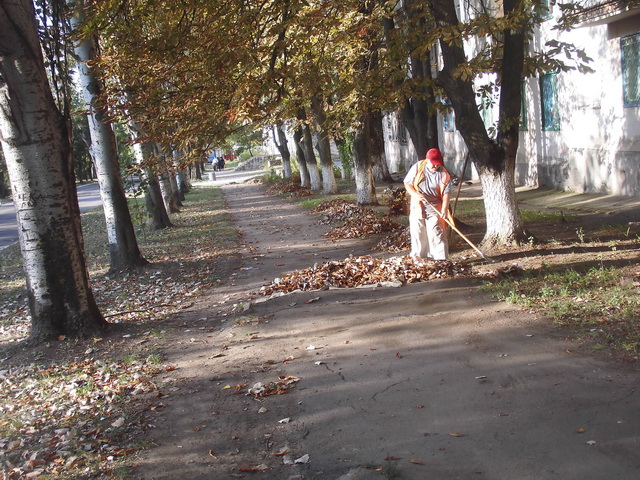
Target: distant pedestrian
{"points": [[428, 184]]}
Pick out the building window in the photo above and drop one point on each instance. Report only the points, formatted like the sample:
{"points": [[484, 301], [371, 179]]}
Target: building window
{"points": [[523, 106], [486, 111], [630, 52], [390, 128], [544, 9], [549, 100], [402, 134], [448, 123]]}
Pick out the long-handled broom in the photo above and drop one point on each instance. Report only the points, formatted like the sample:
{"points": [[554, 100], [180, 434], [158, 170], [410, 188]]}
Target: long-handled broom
{"points": [[455, 229]]}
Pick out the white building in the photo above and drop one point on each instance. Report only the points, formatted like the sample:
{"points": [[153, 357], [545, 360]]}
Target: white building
{"points": [[581, 132]]}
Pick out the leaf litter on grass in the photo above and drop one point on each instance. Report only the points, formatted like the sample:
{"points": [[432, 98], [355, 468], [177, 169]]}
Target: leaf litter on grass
{"points": [[72, 409]]}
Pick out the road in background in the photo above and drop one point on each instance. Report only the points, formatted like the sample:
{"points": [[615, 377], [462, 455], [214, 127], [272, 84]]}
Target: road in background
{"points": [[88, 198]]}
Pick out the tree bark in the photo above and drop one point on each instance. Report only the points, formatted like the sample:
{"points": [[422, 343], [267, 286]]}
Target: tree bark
{"points": [[158, 216], [421, 125], [281, 142], [182, 178], [37, 148], [123, 245], [415, 114], [168, 196], [503, 218], [177, 193], [329, 184], [144, 151], [305, 180], [164, 180], [363, 166], [309, 156], [378, 155]]}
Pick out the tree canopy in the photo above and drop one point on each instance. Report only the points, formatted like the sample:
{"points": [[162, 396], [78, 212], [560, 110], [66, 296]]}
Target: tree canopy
{"points": [[190, 73]]}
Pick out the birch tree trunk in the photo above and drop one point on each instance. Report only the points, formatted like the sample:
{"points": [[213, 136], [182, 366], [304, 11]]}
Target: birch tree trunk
{"points": [[123, 245], [37, 149]]}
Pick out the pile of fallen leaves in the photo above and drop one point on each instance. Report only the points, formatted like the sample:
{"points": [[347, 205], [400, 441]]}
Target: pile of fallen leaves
{"points": [[366, 270], [397, 199], [338, 210], [289, 189], [71, 419], [368, 224], [398, 240], [357, 221]]}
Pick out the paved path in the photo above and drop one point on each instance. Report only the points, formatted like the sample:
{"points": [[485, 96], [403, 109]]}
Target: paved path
{"points": [[428, 381]]}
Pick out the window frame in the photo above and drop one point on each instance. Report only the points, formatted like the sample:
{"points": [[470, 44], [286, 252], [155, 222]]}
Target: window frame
{"points": [[524, 120], [549, 106], [624, 61], [448, 118]]}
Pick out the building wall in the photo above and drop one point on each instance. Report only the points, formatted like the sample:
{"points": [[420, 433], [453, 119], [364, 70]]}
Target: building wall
{"points": [[398, 147], [597, 148]]}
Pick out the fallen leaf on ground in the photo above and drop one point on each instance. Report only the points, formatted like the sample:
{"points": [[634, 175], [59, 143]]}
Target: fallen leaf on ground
{"points": [[279, 387], [258, 468]]}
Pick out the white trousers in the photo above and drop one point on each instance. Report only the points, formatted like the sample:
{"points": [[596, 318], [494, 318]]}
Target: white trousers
{"points": [[428, 238]]}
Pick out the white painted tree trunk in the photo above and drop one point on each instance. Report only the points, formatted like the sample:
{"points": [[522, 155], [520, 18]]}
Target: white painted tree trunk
{"points": [[158, 216], [168, 196], [305, 180], [329, 184], [310, 157], [504, 224], [37, 149], [284, 150], [123, 246], [182, 177]]}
